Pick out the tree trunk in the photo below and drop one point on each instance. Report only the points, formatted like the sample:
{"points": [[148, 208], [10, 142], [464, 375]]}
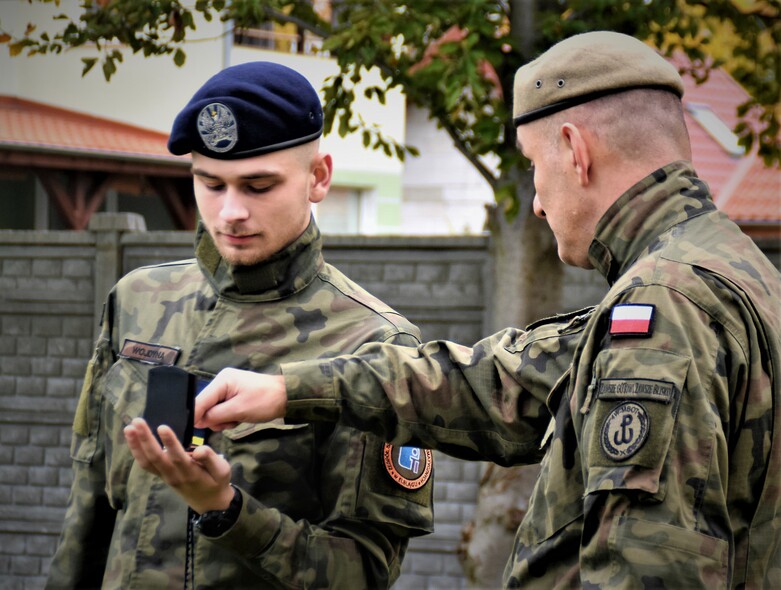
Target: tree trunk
{"points": [[528, 275], [487, 539], [528, 280]]}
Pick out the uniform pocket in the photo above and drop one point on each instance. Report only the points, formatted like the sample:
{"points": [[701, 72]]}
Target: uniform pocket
{"points": [[395, 484], [631, 422], [245, 430], [124, 391], [270, 459], [671, 556]]}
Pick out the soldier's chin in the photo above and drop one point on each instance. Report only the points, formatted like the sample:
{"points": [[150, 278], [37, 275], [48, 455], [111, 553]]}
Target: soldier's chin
{"points": [[241, 257], [575, 258]]}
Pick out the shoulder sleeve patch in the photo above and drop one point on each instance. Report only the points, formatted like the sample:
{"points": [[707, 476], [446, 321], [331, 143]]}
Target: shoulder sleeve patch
{"points": [[396, 486], [410, 467], [631, 423]]}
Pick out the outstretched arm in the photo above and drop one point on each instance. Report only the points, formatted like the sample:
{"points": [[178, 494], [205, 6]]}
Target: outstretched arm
{"points": [[484, 402]]}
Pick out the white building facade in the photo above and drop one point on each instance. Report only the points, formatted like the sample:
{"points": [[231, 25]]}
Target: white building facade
{"points": [[436, 193]]}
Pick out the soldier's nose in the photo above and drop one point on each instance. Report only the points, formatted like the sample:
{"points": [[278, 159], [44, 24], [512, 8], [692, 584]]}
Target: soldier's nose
{"points": [[537, 206], [233, 208]]}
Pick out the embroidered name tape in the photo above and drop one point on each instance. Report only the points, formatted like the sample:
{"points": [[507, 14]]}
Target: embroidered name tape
{"points": [[410, 467], [154, 354], [632, 319], [662, 391]]}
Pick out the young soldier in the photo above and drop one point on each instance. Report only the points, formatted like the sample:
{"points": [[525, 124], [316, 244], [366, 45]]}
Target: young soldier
{"points": [[662, 446], [272, 505]]}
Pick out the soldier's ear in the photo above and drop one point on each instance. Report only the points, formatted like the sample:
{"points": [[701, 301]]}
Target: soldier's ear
{"points": [[322, 172], [578, 152]]}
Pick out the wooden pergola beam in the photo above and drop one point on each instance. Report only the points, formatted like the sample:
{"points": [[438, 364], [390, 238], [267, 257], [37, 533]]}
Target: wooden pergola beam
{"points": [[178, 168], [75, 194]]}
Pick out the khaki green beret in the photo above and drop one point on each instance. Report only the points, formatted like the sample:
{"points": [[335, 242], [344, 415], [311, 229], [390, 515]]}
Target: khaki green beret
{"points": [[585, 67]]}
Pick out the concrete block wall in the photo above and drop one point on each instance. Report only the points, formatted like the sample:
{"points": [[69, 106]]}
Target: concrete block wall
{"points": [[46, 336]]}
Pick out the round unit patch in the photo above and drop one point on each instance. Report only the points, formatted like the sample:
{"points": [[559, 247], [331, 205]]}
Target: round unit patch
{"points": [[217, 127], [410, 467], [625, 430]]}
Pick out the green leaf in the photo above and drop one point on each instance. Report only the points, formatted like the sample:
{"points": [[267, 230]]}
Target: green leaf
{"points": [[179, 57], [109, 68], [89, 63], [343, 125]]}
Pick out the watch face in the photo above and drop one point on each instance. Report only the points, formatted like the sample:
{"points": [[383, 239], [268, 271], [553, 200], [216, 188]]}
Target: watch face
{"points": [[214, 523]]}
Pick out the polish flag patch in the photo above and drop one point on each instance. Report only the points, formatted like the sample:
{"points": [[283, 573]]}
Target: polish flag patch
{"points": [[631, 319]]}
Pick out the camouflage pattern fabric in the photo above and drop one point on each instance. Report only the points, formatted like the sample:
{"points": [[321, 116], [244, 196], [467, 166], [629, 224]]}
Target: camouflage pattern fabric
{"points": [[319, 511], [487, 402], [663, 452]]}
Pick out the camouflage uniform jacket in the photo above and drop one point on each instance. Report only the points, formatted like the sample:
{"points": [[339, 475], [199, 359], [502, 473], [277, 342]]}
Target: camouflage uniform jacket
{"points": [[318, 510], [663, 453]]}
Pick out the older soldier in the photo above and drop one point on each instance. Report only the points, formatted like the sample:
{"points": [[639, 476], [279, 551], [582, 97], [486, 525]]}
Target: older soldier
{"points": [[272, 505], [663, 447]]}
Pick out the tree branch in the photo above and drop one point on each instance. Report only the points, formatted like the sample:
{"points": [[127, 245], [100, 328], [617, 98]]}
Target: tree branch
{"points": [[467, 153]]}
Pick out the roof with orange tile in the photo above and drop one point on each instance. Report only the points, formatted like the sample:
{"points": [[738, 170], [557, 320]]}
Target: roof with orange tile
{"points": [[30, 125], [742, 186]]}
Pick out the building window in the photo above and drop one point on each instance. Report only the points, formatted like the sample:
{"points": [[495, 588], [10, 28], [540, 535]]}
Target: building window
{"points": [[339, 212], [17, 200]]}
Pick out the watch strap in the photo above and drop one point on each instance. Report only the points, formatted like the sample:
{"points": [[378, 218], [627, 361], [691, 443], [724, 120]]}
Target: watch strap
{"points": [[214, 523]]}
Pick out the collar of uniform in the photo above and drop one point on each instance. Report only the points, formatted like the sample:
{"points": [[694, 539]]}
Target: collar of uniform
{"points": [[286, 272], [663, 199]]}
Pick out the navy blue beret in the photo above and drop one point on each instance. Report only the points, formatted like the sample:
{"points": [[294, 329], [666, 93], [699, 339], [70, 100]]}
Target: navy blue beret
{"points": [[248, 110]]}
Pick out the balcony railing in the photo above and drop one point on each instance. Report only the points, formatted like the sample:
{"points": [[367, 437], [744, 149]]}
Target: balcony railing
{"points": [[304, 43]]}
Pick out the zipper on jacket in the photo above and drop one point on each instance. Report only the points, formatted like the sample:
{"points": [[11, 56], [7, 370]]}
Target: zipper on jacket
{"points": [[189, 561]]}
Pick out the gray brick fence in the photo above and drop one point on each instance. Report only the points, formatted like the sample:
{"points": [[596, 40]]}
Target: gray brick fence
{"points": [[51, 289]]}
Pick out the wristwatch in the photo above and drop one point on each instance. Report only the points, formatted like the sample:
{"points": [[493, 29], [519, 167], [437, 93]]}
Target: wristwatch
{"points": [[214, 523]]}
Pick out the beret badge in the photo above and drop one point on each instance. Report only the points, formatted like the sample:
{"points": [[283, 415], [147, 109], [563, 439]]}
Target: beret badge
{"points": [[217, 127]]}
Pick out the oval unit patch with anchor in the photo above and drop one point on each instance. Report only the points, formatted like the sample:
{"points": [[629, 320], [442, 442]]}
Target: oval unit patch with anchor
{"points": [[625, 430]]}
